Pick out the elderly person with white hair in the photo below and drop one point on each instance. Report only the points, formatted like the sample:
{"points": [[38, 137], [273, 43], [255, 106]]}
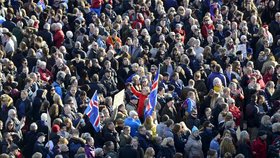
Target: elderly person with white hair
{"points": [[45, 74], [59, 35], [133, 122], [12, 116], [29, 139]]}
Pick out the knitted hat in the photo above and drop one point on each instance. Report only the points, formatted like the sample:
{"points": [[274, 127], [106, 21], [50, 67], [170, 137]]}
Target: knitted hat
{"points": [[55, 128], [194, 129]]}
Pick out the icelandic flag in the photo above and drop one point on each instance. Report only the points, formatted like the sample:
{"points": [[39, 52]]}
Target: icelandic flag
{"points": [[92, 111], [152, 97]]}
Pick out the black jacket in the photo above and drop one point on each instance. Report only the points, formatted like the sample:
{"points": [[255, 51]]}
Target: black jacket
{"points": [[128, 152], [244, 149], [28, 141], [252, 115], [167, 152], [39, 147], [36, 105], [47, 36]]}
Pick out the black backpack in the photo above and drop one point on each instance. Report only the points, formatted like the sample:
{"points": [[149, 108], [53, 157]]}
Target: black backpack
{"points": [[274, 148]]}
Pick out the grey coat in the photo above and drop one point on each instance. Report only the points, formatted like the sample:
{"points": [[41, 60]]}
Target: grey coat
{"points": [[193, 148]]}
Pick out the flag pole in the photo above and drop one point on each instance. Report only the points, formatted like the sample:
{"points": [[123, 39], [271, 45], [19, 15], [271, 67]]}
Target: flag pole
{"points": [[80, 121]]}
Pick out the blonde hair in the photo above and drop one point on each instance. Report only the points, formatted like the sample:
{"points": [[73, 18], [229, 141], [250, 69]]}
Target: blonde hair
{"points": [[149, 124], [57, 100], [166, 141], [63, 141], [149, 153], [227, 146], [6, 98]]}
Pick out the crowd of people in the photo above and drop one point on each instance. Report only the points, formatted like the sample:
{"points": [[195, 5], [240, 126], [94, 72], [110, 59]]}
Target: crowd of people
{"points": [[218, 92]]}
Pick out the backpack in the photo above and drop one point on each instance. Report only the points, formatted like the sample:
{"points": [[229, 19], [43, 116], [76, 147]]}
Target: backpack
{"points": [[274, 148], [73, 148]]}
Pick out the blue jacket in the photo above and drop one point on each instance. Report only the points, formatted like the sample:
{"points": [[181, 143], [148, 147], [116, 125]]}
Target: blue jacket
{"points": [[133, 124], [58, 89]]}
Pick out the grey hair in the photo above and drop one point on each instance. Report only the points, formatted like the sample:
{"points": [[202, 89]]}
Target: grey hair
{"points": [[276, 127], [33, 126], [243, 136]]}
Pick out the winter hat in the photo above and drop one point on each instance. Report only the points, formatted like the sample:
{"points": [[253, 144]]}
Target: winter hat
{"points": [[194, 129], [55, 128]]}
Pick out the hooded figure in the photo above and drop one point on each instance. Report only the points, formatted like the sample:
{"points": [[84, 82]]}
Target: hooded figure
{"points": [[37, 102]]}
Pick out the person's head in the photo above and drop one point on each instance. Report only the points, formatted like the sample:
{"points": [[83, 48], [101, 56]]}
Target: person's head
{"points": [[67, 108], [68, 122], [150, 152], [208, 112], [126, 130], [276, 127], [169, 101], [109, 146], [229, 124], [266, 121], [277, 17], [227, 145], [41, 137], [212, 153], [231, 102], [254, 98], [145, 90], [191, 95], [262, 134], [195, 131], [111, 126], [142, 130], [37, 155], [10, 126], [167, 142], [244, 136], [90, 141], [227, 133], [33, 127], [134, 141], [207, 125]]}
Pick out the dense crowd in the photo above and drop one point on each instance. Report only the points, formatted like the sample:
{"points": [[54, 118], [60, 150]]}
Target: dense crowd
{"points": [[218, 92]]}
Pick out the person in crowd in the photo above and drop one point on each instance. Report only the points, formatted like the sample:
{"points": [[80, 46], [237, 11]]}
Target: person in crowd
{"points": [[208, 65], [193, 146]]}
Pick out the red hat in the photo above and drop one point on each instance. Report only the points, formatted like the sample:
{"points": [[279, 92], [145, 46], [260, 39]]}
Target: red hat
{"points": [[55, 128]]}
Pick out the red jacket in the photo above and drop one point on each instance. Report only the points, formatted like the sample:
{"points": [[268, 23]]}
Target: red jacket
{"points": [[58, 38], [259, 147], [141, 101], [236, 114], [110, 41], [267, 77], [182, 33], [134, 24], [44, 74], [205, 28], [96, 3]]}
